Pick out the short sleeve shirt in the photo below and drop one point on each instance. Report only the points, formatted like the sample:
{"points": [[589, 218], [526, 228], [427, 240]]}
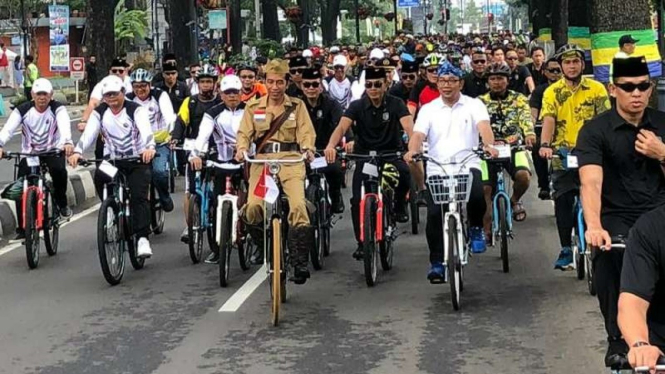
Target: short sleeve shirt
{"points": [[518, 78], [570, 108], [474, 85], [510, 117], [377, 128]]}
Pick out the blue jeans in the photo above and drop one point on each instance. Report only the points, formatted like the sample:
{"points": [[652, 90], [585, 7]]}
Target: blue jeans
{"points": [[160, 172]]}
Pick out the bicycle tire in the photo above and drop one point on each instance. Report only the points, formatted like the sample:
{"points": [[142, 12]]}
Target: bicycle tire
{"points": [[415, 210], [370, 260], [454, 264], [503, 233], [110, 233], [51, 225], [246, 247], [276, 278], [386, 248], [316, 251], [579, 257], [195, 242], [132, 245], [591, 284], [172, 174], [326, 234], [32, 239], [157, 216], [225, 244]]}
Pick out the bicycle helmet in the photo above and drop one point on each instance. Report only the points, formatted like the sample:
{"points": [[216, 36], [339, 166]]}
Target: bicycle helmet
{"points": [[207, 71], [433, 59], [497, 68], [141, 76], [390, 176], [567, 50]]}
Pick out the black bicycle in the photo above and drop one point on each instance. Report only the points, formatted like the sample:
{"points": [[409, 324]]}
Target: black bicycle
{"points": [[316, 192]]}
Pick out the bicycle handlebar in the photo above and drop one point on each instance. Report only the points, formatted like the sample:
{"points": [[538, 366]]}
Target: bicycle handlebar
{"points": [[660, 366], [223, 165], [11, 155], [87, 162]]}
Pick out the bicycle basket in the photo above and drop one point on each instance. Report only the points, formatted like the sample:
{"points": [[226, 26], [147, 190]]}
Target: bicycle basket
{"points": [[13, 191], [447, 189]]}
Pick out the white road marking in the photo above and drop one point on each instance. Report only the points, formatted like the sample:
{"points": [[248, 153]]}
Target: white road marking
{"points": [[235, 302], [8, 248]]}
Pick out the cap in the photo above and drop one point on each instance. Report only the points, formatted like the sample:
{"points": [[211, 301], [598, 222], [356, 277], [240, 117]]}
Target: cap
{"points": [[277, 66], [376, 54], [334, 49], [630, 67], [311, 73], [42, 85], [385, 63], [375, 73], [230, 82], [169, 66], [261, 60], [298, 61], [409, 36], [112, 83], [339, 60], [119, 62], [409, 67], [307, 53], [627, 39]]}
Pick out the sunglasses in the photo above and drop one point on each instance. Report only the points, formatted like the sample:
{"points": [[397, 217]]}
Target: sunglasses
{"points": [[408, 77], [194, 72], [630, 87], [111, 94], [375, 84], [117, 71], [479, 61], [170, 73], [296, 71], [231, 92], [339, 67], [432, 70], [554, 71], [511, 58], [310, 84], [247, 76]]}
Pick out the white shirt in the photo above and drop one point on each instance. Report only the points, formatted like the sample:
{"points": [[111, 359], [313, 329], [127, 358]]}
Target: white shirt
{"points": [[452, 132], [160, 111], [193, 86], [223, 124], [97, 90], [41, 131], [340, 91]]}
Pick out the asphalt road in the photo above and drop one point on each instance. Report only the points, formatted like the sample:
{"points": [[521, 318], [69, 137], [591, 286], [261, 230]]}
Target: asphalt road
{"points": [[63, 318]]}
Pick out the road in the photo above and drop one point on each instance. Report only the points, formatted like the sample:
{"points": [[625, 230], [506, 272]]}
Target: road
{"points": [[63, 318]]}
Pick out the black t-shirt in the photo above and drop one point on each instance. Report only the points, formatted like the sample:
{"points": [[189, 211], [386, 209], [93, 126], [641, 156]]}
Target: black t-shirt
{"points": [[643, 272], [538, 75], [91, 71], [325, 118], [294, 91], [377, 128], [398, 90], [474, 85], [517, 80], [177, 93], [536, 100], [633, 184]]}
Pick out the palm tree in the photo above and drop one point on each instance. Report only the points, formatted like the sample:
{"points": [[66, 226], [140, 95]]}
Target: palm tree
{"points": [[129, 25]]}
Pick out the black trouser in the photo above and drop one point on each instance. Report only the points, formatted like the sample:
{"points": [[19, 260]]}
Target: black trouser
{"points": [[27, 91], [334, 176], [138, 177], [566, 188], [540, 164], [607, 277], [57, 168], [475, 210], [358, 179]]}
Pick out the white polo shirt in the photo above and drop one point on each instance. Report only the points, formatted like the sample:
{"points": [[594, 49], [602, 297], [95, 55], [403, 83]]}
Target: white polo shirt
{"points": [[452, 132]]}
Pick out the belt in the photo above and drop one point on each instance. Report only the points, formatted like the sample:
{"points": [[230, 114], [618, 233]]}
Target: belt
{"points": [[276, 147]]}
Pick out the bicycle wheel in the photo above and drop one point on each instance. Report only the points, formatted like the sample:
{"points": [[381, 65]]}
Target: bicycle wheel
{"points": [[157, 215], [386, 246], [579, 256], [194, 230], [454, 263], [503, 233], [110, 242], [415, 213], [225, 244], [370, 259], [276, 275], [246, 247], [589, 274], [325, 233], [51, 225], [316, 251], [172, 172], [31, 231], [210, 229]]}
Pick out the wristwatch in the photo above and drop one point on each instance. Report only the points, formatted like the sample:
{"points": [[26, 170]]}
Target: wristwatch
{"points": [[640, 343], [545, 145]]}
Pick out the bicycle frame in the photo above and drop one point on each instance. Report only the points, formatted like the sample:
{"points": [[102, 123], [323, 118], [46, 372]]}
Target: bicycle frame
{"points": [[203, 188], [230, 196], [501, 193], [581, 227]]}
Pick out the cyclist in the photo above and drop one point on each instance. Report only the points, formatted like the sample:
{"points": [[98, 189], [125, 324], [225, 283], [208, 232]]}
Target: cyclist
{"points": [[378, 120], [426, 91], [510, 117], [222, 123], [475, 82], [566, 105], [325, 114], [175, 88], [187, 124], [409, 78], [45, 126], [296, 66], [162, 117], [125, 127], [620, 155], [452, 124], [338, 86], [251, 88], [295, 136]]}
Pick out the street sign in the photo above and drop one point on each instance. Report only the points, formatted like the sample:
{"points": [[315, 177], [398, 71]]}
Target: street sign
{"points": [[408, 3], [77, 68]]}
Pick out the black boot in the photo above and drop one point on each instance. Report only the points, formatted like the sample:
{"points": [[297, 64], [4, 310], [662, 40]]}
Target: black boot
{"points": [[301, 239], [337, 202], [256, 232], [616, 356]]}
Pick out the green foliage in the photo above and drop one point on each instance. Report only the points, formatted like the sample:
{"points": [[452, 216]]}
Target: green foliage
{"points": [[269, 48], [129, 25]]}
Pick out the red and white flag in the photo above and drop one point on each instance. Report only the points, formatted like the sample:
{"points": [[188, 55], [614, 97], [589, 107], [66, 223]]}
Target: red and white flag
{"points": [[266, 188]]}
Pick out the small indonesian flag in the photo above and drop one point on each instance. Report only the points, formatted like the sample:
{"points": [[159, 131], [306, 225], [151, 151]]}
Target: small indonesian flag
{"points": [[266, 188], [259, 115]]}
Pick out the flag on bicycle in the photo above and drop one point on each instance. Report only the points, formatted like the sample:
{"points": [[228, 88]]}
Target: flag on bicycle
{"points": [[266, 188]]}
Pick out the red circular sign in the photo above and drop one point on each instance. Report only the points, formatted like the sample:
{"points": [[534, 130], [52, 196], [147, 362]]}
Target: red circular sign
{"points": [[77, 65]]}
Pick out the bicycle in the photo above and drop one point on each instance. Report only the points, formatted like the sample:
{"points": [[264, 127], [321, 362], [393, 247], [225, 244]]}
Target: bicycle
{"points": [[275, 245], [114, 223], [40, 212], [316, 192], [378, 227], [454, 191], [201, 215], [157, 214], [229, 229]]}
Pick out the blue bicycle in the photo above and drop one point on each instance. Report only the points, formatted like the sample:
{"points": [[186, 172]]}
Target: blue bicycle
{"points": [[201, 214]]}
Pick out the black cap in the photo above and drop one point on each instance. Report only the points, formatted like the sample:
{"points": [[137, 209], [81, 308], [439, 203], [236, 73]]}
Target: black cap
{"points": [[261, 60], [119, 62], [375, 73], [169, 66], [409, 67], [168, 56], [311, 73], [384, 63], [296, 62], [626, 39], [630, 67]]}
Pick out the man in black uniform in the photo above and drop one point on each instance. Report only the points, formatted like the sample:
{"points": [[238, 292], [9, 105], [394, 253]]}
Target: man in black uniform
{"points": [[475, 82], [297, 65], [620, 154], [408, 79], [325, 114], [174, 87]]}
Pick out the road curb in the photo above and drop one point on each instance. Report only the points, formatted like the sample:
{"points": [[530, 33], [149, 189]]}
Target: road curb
{"points": [[80, 189]]}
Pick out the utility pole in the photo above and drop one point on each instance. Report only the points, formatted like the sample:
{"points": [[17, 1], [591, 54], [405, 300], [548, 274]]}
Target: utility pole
{"points": [[24, 28], [257, 18], [355, 3]]}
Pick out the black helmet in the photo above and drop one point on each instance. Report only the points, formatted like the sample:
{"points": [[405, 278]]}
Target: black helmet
{"points": [[497, 68]]}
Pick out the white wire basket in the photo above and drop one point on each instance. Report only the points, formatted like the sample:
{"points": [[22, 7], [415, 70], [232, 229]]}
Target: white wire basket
{"points": [[446, 189]]}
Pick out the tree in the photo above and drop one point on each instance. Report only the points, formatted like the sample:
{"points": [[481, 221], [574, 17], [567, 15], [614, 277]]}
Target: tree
{"points": [[560, 22], [472, 14], [270, 20], [100, 39], [129, 25], [181, 15], [329, 10]]}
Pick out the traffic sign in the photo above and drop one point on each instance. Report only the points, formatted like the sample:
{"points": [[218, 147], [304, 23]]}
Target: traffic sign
{"points": [[408, 3], [77, 68]]}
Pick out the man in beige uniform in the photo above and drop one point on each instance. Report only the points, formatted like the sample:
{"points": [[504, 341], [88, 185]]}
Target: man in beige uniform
{"points": [[295, 136]]}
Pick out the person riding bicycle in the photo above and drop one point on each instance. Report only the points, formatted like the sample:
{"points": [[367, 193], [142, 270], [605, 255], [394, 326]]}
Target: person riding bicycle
{"points": [[378, 120], [297, 65], [45, 126], [325, 114], [162, 117], [125, 127], [222, 123], [452, 124], [567, 104], [294, 136], [251, 88], [510, 117], [620, 154], [426, 90], [187, 125]]}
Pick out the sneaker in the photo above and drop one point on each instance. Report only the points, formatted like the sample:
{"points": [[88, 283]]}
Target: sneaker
{"points": [[20, 236], [401, 215], [65, 212], [478, 243], [184, 237], [544, 194], [437, 273], [337, 204], [213, 258], [167, 205], [359, 254], [300, 275], [144, 250], [565, 260]]}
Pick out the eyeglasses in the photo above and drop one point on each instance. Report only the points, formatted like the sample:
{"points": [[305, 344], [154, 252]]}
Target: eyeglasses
{"points": [[479, 61], [447, 82], [296, 71], [374, 84], [247, 76], [408, 77], [554, 71], [310, 84], [117, 71], [630, 87], [511, 58], [231, 91], [194, 72], [432, 70], [111, 94]]}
